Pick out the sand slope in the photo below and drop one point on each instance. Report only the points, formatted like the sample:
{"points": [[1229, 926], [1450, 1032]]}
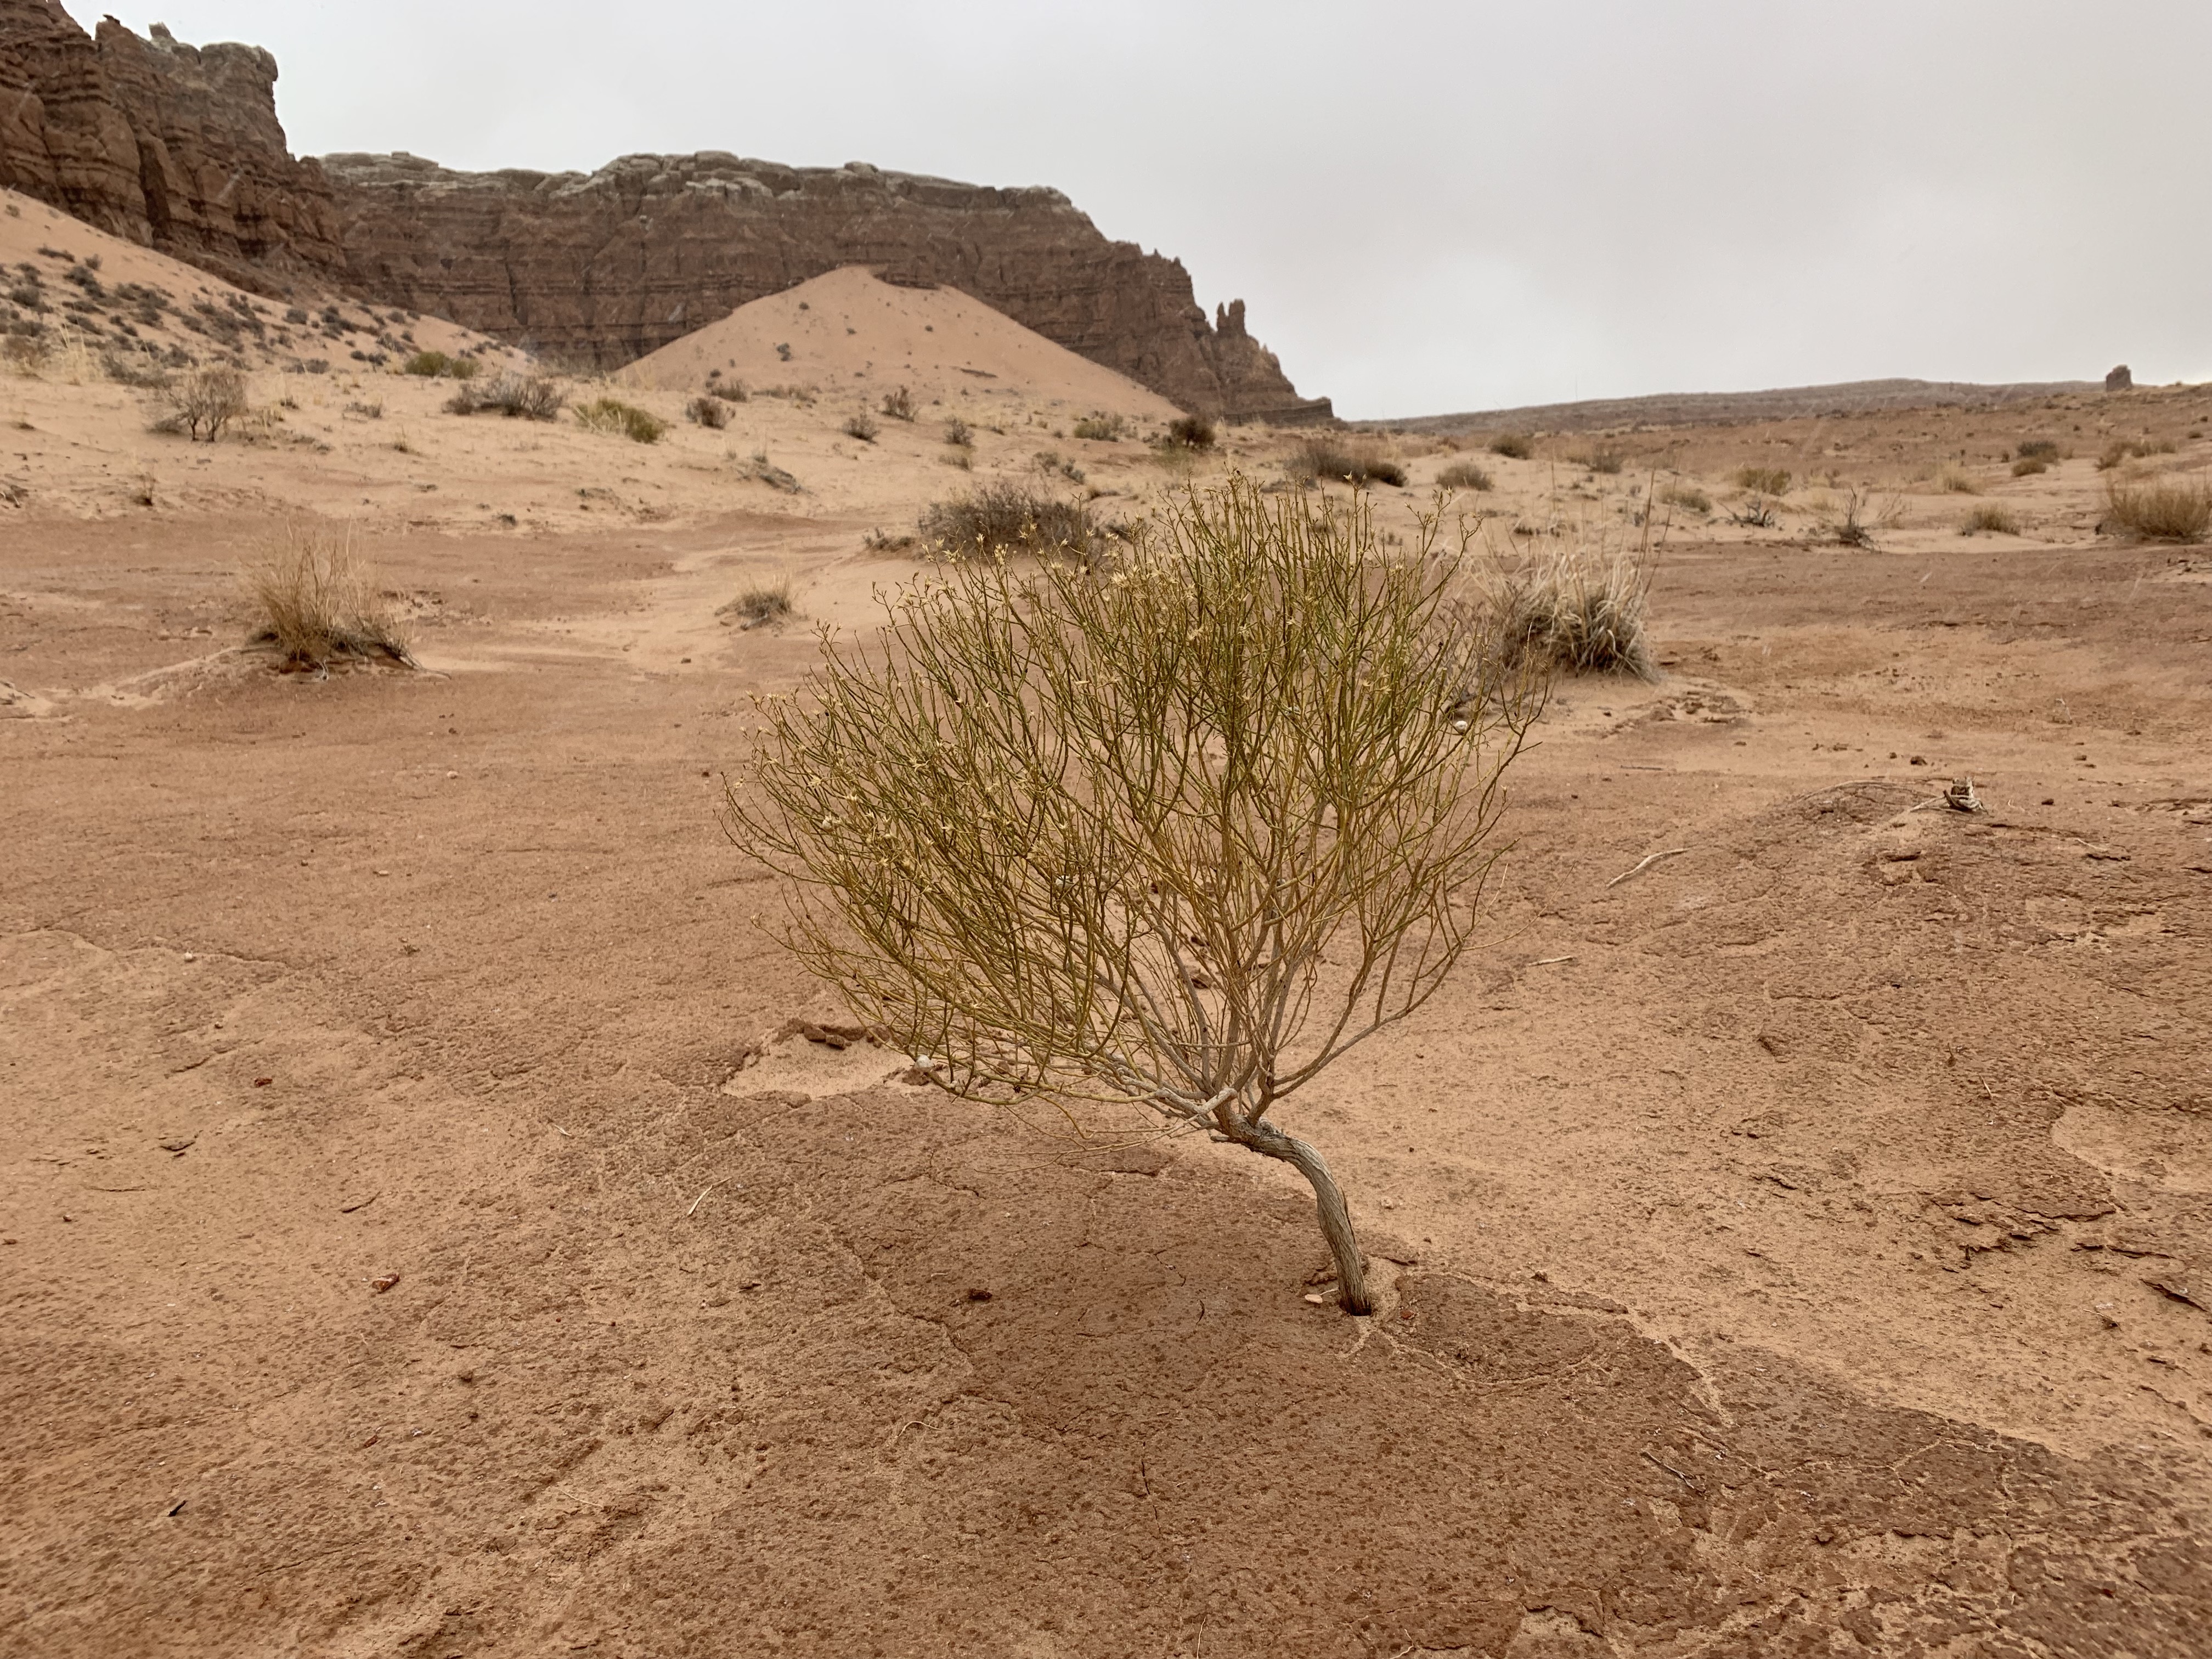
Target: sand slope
{"points": [[850, 333]]}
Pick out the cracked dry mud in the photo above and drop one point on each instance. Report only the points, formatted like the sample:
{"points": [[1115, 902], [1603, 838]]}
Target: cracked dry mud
{"points": [[427, 1232]]}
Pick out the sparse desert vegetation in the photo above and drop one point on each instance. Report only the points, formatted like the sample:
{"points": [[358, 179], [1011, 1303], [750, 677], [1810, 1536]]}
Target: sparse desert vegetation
{"points": [[1191, 432], [438, 365], [518, 397], [760, 603], [1763, 480], [2165, 509], [898, 404], [1464, 475], [1955, 479], [862, 426], [1573, 602], [1008, 518], [618, 419], [315, 603], [709, 412], [1363, 462], [1513, 445], [1104, 427], [202, 402], [1991, 520]]}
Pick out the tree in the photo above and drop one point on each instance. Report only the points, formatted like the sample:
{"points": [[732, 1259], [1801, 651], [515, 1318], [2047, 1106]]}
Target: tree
{"points": [[1162, 834]]}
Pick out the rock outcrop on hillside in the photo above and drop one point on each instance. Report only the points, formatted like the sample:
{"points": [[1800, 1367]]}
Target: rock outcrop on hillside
{"points": [[605, 267], [171, 146], [179, 148]]}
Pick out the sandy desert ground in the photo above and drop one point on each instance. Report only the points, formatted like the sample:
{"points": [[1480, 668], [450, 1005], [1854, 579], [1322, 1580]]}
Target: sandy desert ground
{"points": [[428, 1228]]}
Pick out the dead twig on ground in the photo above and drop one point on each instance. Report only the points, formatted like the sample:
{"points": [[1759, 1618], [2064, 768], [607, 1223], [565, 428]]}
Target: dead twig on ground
{"points": [[1645, 863]]}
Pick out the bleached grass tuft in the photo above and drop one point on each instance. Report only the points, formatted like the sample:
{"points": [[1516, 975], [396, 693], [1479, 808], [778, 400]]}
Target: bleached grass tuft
{"points": [[317, 603], [2161, 510], [1573, 602]]}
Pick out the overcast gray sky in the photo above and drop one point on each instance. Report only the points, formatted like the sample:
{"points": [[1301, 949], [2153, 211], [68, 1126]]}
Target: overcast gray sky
{"points": [[1428, 207]]}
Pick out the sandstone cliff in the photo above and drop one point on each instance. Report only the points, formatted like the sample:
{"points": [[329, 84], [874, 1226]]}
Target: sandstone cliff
{"points": [[605, 267], [179, 148], [171, 146]]}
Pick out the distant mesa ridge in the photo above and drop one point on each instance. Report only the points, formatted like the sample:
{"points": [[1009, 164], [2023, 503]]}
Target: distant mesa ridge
{"points": [[178, 148], [1723, 408]]}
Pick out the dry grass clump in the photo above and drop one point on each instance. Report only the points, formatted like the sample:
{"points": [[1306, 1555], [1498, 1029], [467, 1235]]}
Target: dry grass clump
{"points": [[437, 366], [1763, 480], [1574, 604], [899, 405], [1008, 518], [2028, 466], [203, 403], [862, 426], [1954, 479], [1191, 432], [760, 603], [2161, 510], [1995, 520], [709, 412], [319, 604], [2037, 449], [1464, 475], [1860, 518], [1103, 428], [958, 433], [1321, 457], [1688, 497], [2131, 449], [1607, 461], [517, 396], [730, 391], [1514, 446], [621, 420]]}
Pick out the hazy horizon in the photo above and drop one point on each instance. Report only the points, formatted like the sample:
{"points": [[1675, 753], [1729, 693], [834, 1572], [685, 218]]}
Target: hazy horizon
{"points": [[1427, 208]]}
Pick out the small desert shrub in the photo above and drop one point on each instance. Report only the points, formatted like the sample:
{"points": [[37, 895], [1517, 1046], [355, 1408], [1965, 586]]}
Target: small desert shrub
{"points": [[1572, 604], [1103, 428], [1688, 497], [1149, 853], [766, 471], [2027, 467], [862, 426], [1007, 518], [1051, 462], [1191, 432], [710, 412], [1464, 475], [317, 603], [957, 434], [518, 397], [882, 540], [203, 403], [2161, 510], [1994, 520], [1763, 480], [1860, 517], [730, 391], [762, 602], [135, 368], [1513, 445], [2129, 449], [2037, 449], [1348, 463], [1607, 461], [369, 412], [1955, 479], [618, 419], [437, 366], [899, 405]]}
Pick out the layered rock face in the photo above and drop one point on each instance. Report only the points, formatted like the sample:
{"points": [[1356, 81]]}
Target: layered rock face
{"points": [[167, 145], [605, 267], [179, 148]]}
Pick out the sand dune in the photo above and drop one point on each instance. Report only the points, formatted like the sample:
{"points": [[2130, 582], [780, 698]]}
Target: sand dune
{"points": [[848, 335]]}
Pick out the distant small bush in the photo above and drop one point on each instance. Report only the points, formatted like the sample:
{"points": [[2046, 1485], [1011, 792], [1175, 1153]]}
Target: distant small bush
{"points": [[1008, 518], [1575, 606], [1315, 457], [1607, 461], [1103, 428], [1688, 497], [760, 603], [1992, 519], [710, 412], [2129, 449], [518, 397], [1955, 479], [2037, 449], [618, 419], [367, 412], [879, 540], [1513, 445], [436, 365], [899, 405], [1763, 480], [2161, 510], [730, 391], [862, 426], [2028, 466], [766, 471], [1465, 475], [316, 604], [957, 434], [1191, 432], [1854, 525], [203, 403], [1051, 461]]}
